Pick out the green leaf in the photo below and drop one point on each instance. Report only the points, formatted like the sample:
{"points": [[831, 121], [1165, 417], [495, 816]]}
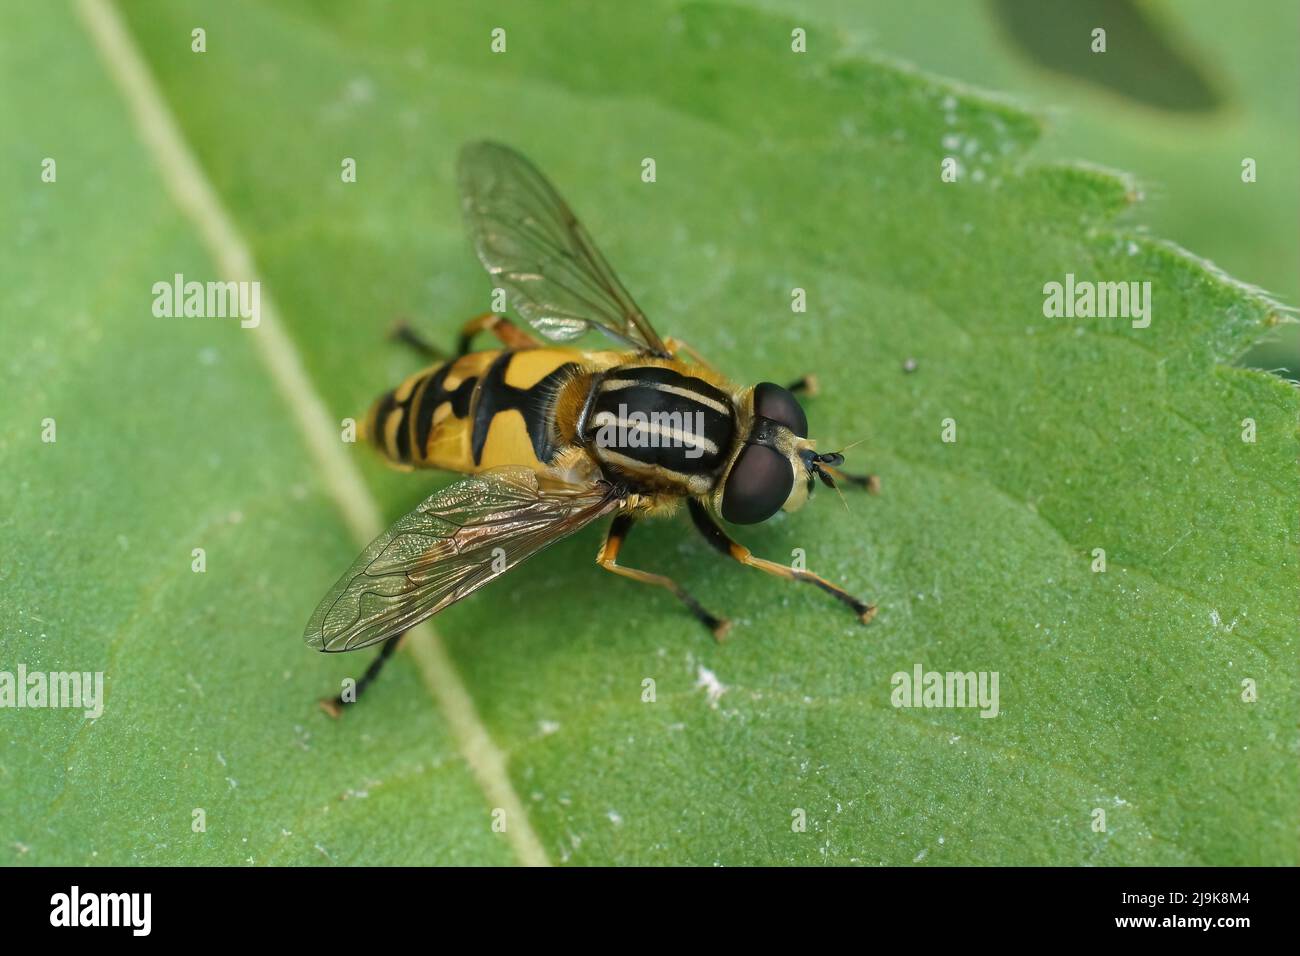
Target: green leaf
{"points": [[170, 436], [1187, 162], [1119, 691]]}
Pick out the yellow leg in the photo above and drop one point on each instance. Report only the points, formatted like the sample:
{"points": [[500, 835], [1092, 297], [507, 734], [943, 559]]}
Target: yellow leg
{"points": [[738, 552], [808, 385], [509, 334], [608, 559]]}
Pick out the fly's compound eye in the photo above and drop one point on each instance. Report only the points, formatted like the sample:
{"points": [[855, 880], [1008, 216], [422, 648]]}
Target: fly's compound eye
{"points": [[780, 405], [758, 485]]}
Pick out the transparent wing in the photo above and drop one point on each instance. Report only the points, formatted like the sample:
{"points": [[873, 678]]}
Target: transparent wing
{"points": [[447, 548], [530, 241]]}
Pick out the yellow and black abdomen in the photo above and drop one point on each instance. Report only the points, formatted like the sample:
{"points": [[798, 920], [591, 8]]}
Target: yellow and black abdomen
{"points": [[479, 411]]}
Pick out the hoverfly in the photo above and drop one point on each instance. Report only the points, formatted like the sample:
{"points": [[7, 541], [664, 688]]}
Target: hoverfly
{"points": [[552, 437]]}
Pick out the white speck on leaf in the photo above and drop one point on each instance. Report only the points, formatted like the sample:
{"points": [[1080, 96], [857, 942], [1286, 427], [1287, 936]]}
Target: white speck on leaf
{"points": [[713, 688]]}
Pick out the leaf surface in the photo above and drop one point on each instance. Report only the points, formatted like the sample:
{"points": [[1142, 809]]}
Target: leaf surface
{"points": [[1119, 691]]}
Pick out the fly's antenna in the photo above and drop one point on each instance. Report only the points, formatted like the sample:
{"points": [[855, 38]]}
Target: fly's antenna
{"points": [[852, 444], [827, 474], [843, 500], [826, 467]]}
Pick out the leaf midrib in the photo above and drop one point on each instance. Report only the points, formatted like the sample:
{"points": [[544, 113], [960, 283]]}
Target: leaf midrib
{"points": [[197, 199]]}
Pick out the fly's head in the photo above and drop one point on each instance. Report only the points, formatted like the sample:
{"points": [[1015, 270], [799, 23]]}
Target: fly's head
{"points": [[776, 465]]}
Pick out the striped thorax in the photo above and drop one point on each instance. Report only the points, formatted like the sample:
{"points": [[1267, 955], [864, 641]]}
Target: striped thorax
{"points": [[658, 428]]}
